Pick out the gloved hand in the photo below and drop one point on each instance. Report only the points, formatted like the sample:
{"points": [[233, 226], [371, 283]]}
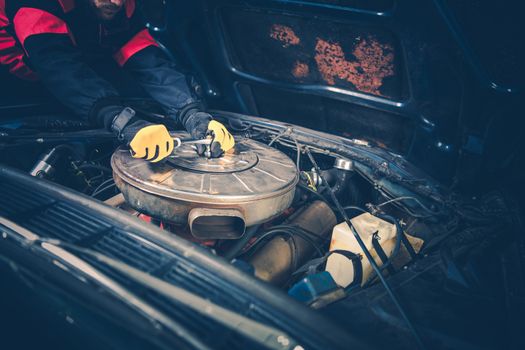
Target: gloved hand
{"points": [[148, 141], [200, 125]]}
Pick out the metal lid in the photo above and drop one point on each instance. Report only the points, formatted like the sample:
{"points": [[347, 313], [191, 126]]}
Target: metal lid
{"points": [[251, 172], [239, 159], [344, 164]]}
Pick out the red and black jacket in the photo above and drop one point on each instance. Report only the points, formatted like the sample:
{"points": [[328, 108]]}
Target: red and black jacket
{"points": [[58, 38]]}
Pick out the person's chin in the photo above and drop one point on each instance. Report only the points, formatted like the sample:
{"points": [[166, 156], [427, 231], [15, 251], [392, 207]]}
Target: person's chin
{"points": [[107, 15]]}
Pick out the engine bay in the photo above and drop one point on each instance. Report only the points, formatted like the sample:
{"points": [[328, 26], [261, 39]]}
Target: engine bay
{"points": [[284, 206], [332, 222]]}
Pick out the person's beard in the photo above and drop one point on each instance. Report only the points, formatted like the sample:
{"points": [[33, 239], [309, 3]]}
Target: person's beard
{"points": [[107, 12]]}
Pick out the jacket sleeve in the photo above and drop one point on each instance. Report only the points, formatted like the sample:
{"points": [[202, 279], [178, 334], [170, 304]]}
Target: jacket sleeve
{"points": [[52, 54], [73, 82], [141, 55], [159, 77]]}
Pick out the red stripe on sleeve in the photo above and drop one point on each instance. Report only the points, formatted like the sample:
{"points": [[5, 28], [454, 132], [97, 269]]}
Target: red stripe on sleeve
{"points": [[139, 42], [12, 56], [30, 21]]}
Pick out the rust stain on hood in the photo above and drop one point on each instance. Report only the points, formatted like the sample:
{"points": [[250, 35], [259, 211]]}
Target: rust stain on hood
{"points": [[374, 62], [300, 70], [285, 35]]}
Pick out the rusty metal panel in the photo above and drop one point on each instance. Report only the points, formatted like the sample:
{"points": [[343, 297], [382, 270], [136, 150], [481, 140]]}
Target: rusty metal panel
{"points": [[296, 49]]}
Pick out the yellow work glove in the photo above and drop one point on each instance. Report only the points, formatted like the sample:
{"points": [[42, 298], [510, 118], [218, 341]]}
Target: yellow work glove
{"points": [[201, 125], [221, 136], [149, 141]]}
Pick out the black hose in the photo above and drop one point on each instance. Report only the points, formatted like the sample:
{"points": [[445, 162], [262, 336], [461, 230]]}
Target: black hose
{"points": [[399, 238], [235, 250], [315, 193], [343, 184], [342, 179]]}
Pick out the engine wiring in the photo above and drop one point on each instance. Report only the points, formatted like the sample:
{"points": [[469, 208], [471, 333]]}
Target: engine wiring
{"points": [[339, 208], [368, 255], [378, 270], [287, 132], [104, 186], [396, 201], [285, 137], [310, 188], [391, 200], [98, 167], [315, 193], [290, 231], [310, 181], [404, 198]]}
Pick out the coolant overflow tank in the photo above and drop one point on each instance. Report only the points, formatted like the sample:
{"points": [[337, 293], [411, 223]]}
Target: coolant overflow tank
{"points": [[245, 187]]}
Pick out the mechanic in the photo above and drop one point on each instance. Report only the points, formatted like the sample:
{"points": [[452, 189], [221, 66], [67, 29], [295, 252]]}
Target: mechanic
{"points": [[88, 53]]}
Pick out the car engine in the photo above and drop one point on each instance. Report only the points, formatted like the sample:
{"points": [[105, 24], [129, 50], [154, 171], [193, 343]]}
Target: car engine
{"points": [[313, 214]]}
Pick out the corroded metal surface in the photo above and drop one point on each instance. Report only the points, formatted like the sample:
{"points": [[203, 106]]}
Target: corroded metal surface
{"points": [[318, 53], [255, 179], [285, 35], [374, 62]]}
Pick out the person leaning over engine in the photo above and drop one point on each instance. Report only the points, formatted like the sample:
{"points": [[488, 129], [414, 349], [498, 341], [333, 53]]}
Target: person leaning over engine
{"points": [[63, 43]]}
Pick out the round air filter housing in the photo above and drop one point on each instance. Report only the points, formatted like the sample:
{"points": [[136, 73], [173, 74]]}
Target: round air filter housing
{"points": [[219, 197]]}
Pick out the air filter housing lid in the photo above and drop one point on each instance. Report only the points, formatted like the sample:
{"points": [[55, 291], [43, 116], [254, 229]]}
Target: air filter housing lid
{"points": [[255, 179]]}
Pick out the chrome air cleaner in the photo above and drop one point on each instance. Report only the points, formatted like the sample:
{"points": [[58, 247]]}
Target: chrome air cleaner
{"points": [[218, 198]]}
